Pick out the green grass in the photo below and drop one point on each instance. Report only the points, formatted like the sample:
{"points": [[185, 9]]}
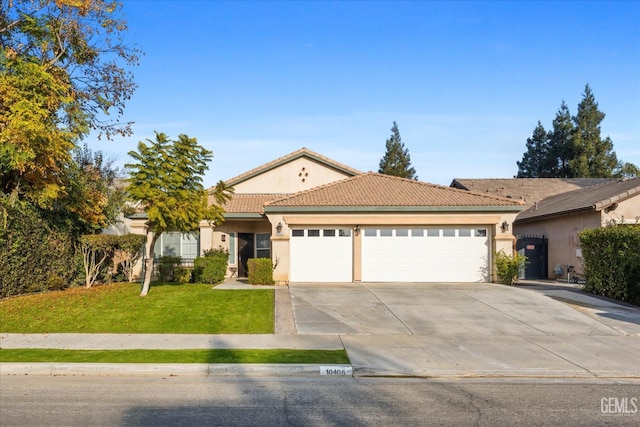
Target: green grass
{"points": [[174, 356], [117, 308]]}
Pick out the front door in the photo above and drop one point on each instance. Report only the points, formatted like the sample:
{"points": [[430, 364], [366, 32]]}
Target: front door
{"points": [[245, 251]]}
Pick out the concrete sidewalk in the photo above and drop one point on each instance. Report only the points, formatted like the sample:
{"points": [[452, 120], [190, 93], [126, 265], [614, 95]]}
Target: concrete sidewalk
{"points": [[592, 357], [170, 341]]}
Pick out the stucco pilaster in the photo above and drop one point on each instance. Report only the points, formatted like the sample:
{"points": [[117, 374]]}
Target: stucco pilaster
{"points": [[279, 248]]}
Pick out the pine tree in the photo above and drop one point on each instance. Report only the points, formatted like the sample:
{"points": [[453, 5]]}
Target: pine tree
{"points": [[574, 148], [536, 161], [593, 156], [561, 142], [396, 160]]}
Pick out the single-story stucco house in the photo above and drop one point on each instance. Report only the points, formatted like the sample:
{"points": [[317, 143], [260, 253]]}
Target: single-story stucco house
{"points": [[322, 221], [562, 217], [558, 209]]}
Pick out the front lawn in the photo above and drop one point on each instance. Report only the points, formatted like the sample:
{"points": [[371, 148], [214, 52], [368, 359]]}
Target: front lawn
{"points": [[117, 308], [174, 356]]}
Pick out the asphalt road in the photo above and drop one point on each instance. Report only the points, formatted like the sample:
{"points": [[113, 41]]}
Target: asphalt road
{"points": [[233, 401]]}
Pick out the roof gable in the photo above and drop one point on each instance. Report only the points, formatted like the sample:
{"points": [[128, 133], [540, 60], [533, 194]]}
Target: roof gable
{"points": [[593, 198], [373, 191], [283, 171]]}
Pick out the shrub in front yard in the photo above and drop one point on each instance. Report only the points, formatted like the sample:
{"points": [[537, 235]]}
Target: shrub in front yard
{"points": [[611, 261], [129, 251], [508, 267], [167, 267], [182, 274], [260, 271], [212, 267]]}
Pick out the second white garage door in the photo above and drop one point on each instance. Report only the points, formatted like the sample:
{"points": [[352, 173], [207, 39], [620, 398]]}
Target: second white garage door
{"points": [[321, 255], [435, 254]]}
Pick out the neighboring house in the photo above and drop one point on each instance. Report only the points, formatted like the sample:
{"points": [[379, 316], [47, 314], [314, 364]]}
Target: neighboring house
{"points": [[562, 217], [529, 190], [322, 221], [531, 241]]}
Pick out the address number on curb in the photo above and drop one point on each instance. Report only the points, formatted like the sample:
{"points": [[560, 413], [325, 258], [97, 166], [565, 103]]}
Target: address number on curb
{"points": [[336, 370]]}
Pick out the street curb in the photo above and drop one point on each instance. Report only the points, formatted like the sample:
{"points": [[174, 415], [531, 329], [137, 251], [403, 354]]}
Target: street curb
{"points": [[282, 370], [167, 369]]}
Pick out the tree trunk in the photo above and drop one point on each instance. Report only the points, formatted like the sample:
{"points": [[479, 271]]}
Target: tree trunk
{"points": [[149, 266]]}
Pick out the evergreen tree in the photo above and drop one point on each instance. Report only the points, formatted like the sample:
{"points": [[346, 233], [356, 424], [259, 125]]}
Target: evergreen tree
{"points": [[396, 160], [561, 142], [627, 170], [574, 148], [593, 156], [537, 160]]}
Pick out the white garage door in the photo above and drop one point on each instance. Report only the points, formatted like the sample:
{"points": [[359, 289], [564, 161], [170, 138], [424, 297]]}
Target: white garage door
{"points": [[321, 255], [436, 254]]}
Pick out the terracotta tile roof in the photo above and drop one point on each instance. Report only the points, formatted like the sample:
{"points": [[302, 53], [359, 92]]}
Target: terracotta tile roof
{"points": [[596, 197], [249, 203], [530, 190], [303, 152], [382, 191]]}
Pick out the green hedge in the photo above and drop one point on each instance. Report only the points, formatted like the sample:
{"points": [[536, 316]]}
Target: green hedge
{"points": [[611, 261], [260, 271], [35, 256], [212, 267]]}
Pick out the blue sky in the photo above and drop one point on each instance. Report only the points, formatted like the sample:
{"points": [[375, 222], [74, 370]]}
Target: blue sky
{"points": [[465, 81]]}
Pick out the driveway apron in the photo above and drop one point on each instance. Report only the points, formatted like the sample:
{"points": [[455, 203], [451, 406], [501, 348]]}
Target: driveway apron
{"points": [[471, 329]]}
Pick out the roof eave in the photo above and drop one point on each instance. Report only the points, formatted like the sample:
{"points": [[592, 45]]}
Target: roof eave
{"points": [[243, 215], [137, 215], [555, 214], [307, 209], [604, 204]]}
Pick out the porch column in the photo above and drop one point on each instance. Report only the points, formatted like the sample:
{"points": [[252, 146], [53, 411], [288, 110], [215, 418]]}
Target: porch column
{"points": [[280, 249]]}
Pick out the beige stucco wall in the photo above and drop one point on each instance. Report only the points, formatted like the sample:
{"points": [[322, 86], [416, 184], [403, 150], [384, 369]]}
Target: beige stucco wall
{"points": [[626, 211], [499, 240], [562, 233], [297, 175], [212, 237]]}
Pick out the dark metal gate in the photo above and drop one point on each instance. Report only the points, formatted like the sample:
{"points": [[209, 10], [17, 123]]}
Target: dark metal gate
{"points": [[535, 248]]}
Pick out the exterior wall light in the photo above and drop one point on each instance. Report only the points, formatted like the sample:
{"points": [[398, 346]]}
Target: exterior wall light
{"points": [[505, 226], [357, 230], [279, 229], [223, 237]]}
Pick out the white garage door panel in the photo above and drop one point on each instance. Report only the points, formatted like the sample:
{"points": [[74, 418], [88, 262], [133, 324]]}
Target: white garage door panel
{"points": [[422, 258], [321, 258]]}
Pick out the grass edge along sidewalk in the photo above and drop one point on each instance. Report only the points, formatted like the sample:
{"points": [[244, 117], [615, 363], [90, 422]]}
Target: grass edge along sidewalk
{"points": [[207, 356]]}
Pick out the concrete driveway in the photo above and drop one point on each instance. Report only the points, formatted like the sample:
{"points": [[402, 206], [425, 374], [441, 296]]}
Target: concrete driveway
{"points": [[444, 309], [477, 329]]}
